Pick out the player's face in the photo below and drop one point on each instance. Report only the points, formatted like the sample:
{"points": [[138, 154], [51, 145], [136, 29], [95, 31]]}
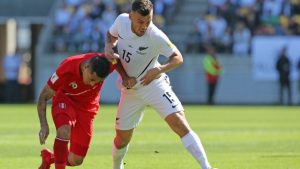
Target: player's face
{"points": [[140, 23], [90, 78]]}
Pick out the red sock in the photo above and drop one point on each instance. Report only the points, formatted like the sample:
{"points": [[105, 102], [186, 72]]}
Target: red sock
{"points": [[60, 153], [52, 158], [68, 163], [60, 166]]}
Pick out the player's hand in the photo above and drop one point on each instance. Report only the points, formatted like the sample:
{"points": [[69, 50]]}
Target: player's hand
{"points": [[129, 82], [43, 134], [110, 54], [150, 76]]}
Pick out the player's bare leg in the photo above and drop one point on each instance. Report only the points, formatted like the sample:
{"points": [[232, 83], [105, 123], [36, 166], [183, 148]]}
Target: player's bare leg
{"points": [[120, 147], [74, 160], [189, 138]]}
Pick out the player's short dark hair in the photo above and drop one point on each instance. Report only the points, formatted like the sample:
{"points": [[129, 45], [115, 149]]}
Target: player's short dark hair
{"points": [[100, 65], [143, 7]]}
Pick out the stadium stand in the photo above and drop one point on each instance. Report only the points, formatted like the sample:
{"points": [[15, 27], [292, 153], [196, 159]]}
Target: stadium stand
{"points": [[51, 42], [229, 25], [82, 26]]}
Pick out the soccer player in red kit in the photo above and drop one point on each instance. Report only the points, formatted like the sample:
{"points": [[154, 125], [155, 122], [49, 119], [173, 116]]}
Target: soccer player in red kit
{"points": [[74, 89]]}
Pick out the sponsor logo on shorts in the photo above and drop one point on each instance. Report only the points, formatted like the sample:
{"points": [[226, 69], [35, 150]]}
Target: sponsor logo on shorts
{"points": [[62, 105], [173, 106]]}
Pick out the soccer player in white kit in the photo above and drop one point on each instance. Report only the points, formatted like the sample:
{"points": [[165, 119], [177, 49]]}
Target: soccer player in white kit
{"points": [[139, 43]]}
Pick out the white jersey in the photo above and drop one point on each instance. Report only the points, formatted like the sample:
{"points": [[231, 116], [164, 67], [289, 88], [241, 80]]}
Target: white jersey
{"points": [[139, 54]]}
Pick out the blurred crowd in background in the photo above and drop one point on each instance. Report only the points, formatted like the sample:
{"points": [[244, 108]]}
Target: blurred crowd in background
{"points": [[225, 26], [230, 24], [81, 25]]}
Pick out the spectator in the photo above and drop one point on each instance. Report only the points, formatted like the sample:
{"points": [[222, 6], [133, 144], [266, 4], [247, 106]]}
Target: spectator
{"points": [[218, 25], [212, 70], [241, 39], [11, 65], [226, 41], [214, 6], [77, 22], [283, 67], [195, 37]]}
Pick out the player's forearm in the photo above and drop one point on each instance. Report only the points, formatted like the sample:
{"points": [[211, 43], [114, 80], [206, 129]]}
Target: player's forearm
{"points": [[175, 60], [42, 113], [110, 41], [45, 95], [121, 70]]}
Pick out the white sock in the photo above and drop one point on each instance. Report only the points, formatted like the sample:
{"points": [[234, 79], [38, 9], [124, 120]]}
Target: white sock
{"points": [[118, 156], [193, 144]]}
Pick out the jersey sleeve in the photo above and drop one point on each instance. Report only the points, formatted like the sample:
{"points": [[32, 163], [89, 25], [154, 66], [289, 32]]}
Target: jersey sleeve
{"points": [[165, 46], [113, 30], [58, 77]]}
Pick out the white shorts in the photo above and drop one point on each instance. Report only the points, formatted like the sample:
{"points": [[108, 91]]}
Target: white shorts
{"points": [[158, 94]]}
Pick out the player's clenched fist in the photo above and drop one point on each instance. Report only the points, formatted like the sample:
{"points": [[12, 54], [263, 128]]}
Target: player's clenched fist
{"points": [[110, 54]]}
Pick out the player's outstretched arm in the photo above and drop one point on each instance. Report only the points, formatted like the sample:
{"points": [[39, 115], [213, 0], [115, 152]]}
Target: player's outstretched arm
{"points": [[110, 43], [46, 94]]}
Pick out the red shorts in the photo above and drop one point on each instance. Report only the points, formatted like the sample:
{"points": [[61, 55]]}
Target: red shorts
{"points": [[81, 122]]}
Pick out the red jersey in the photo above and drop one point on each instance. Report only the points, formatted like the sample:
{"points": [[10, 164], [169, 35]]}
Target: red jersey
{"points": [[67, 82]]}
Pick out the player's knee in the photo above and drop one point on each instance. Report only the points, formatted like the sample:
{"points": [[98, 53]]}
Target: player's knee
{"points": [[178, 123], [77, 161], [63, 132], [121, 141]]}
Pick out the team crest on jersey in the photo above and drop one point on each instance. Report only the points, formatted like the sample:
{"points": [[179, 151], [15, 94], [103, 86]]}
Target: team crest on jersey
{"points": [[73, 85], [141, 49], [62, 105]]}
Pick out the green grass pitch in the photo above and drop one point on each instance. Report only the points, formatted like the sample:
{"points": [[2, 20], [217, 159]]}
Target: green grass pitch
{"points": [[235, 137]]}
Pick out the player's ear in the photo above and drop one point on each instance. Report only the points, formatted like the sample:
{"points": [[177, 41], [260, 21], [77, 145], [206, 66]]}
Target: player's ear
{"points": [[130, 15], [86, 67]]}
